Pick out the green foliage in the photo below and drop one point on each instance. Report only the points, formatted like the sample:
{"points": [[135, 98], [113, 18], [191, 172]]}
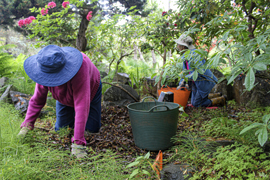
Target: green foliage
{"points": [[262, 131], [21, 80], [234, 162], [5, 61], [142, 165], [191, 145]]}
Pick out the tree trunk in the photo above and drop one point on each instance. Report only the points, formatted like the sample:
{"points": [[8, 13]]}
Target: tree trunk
{"points": [[135, 52], [141, 55], [164, 62], [81, 41], [154, 58]]}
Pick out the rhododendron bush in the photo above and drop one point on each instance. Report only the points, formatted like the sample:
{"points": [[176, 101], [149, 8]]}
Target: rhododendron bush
{"points": [[62, 27]]}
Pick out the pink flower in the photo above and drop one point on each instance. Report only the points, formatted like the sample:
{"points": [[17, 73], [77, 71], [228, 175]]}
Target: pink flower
{"points": [[65, 3], [21, 22], [51, 5], [44, 12], [89, 16], [27, 21], [32, 18], [163, 13], [175, 24]]}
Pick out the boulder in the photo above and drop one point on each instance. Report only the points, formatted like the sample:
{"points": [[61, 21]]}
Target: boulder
{"points": [[114, 96], [122, 78], [176, 172], [223, 87], [259, 95], [20, 100], [149, 86], [3, 81], [5, 96]]}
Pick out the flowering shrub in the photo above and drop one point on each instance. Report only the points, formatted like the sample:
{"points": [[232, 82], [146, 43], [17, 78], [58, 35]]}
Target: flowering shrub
{"points": [[21, 22], [65, 3], [44, 12], [26, 21], [51, 5], [32, 18], [89, 16]]}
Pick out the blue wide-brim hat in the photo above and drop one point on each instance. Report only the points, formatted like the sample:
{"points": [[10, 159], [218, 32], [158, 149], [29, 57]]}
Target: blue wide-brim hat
{"points": [[53, 65]]}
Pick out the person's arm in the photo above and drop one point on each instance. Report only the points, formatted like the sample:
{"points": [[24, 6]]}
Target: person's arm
{"points": [[36, 103], [81, 96]]}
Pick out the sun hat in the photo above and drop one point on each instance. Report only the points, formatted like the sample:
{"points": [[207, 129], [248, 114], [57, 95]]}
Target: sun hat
{"points": [[53, 65], [185, 41]]}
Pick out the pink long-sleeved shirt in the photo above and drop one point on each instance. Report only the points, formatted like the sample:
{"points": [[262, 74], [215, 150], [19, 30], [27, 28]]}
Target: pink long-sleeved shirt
{"points": [[77, 92]]}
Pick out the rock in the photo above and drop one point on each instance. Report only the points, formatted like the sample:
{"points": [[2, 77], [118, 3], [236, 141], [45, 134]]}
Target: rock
{"points": [[223, 87], [122, 78], [149, 86], [20, 100], [3, 81], [4, 97], [103, 74], [259, 95], [176, 172], [115, 96]]}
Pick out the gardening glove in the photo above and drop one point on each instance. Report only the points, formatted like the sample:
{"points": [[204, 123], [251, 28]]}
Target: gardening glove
{"points": [[23, 132], [78, 150]]}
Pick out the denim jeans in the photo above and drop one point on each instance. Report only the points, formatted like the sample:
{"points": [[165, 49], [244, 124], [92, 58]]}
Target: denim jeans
{"points": [[65, 115], [197, 100]]}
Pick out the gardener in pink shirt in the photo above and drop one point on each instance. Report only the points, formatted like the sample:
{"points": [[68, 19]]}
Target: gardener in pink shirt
{"points": [[74, 82]]}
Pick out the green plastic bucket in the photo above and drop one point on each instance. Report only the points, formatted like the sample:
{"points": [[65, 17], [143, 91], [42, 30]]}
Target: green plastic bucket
{"points": [[153, 124]]}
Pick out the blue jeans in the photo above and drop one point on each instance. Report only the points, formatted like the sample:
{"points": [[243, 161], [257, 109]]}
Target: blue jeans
{"points": [[65, 115], [197, 100]]}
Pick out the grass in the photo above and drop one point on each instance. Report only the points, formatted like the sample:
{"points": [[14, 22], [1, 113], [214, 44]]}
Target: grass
{"points": [[34, 159]]}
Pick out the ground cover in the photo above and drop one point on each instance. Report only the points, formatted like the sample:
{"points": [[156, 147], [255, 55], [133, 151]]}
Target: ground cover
{"points": [[46, 154]]}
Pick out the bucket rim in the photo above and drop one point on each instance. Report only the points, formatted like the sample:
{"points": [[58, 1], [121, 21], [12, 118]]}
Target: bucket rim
{"points": [[129, 108]]}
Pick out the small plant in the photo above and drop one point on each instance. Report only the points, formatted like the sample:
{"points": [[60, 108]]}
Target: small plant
{"points": [[262, 131], [142, 169]]}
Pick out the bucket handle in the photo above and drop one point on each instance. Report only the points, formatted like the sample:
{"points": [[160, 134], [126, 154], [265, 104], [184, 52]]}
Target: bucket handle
{"points": [[151, 110], [149, 97]]}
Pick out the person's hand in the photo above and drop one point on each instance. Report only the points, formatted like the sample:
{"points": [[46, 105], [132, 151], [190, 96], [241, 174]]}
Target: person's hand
{"points": [[23, 132], [78, 150]]}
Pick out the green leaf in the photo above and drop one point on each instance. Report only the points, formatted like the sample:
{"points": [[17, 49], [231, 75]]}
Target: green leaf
{"points": [[195, 75], [254, 125], [232, 79], [263, 136], [258, 131], [133, 164], [266, 118], [153, 75], [221, 79], [134, 173], [267, 12], [147, 155], [250, 79], [260, 66], [146, 172]]}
